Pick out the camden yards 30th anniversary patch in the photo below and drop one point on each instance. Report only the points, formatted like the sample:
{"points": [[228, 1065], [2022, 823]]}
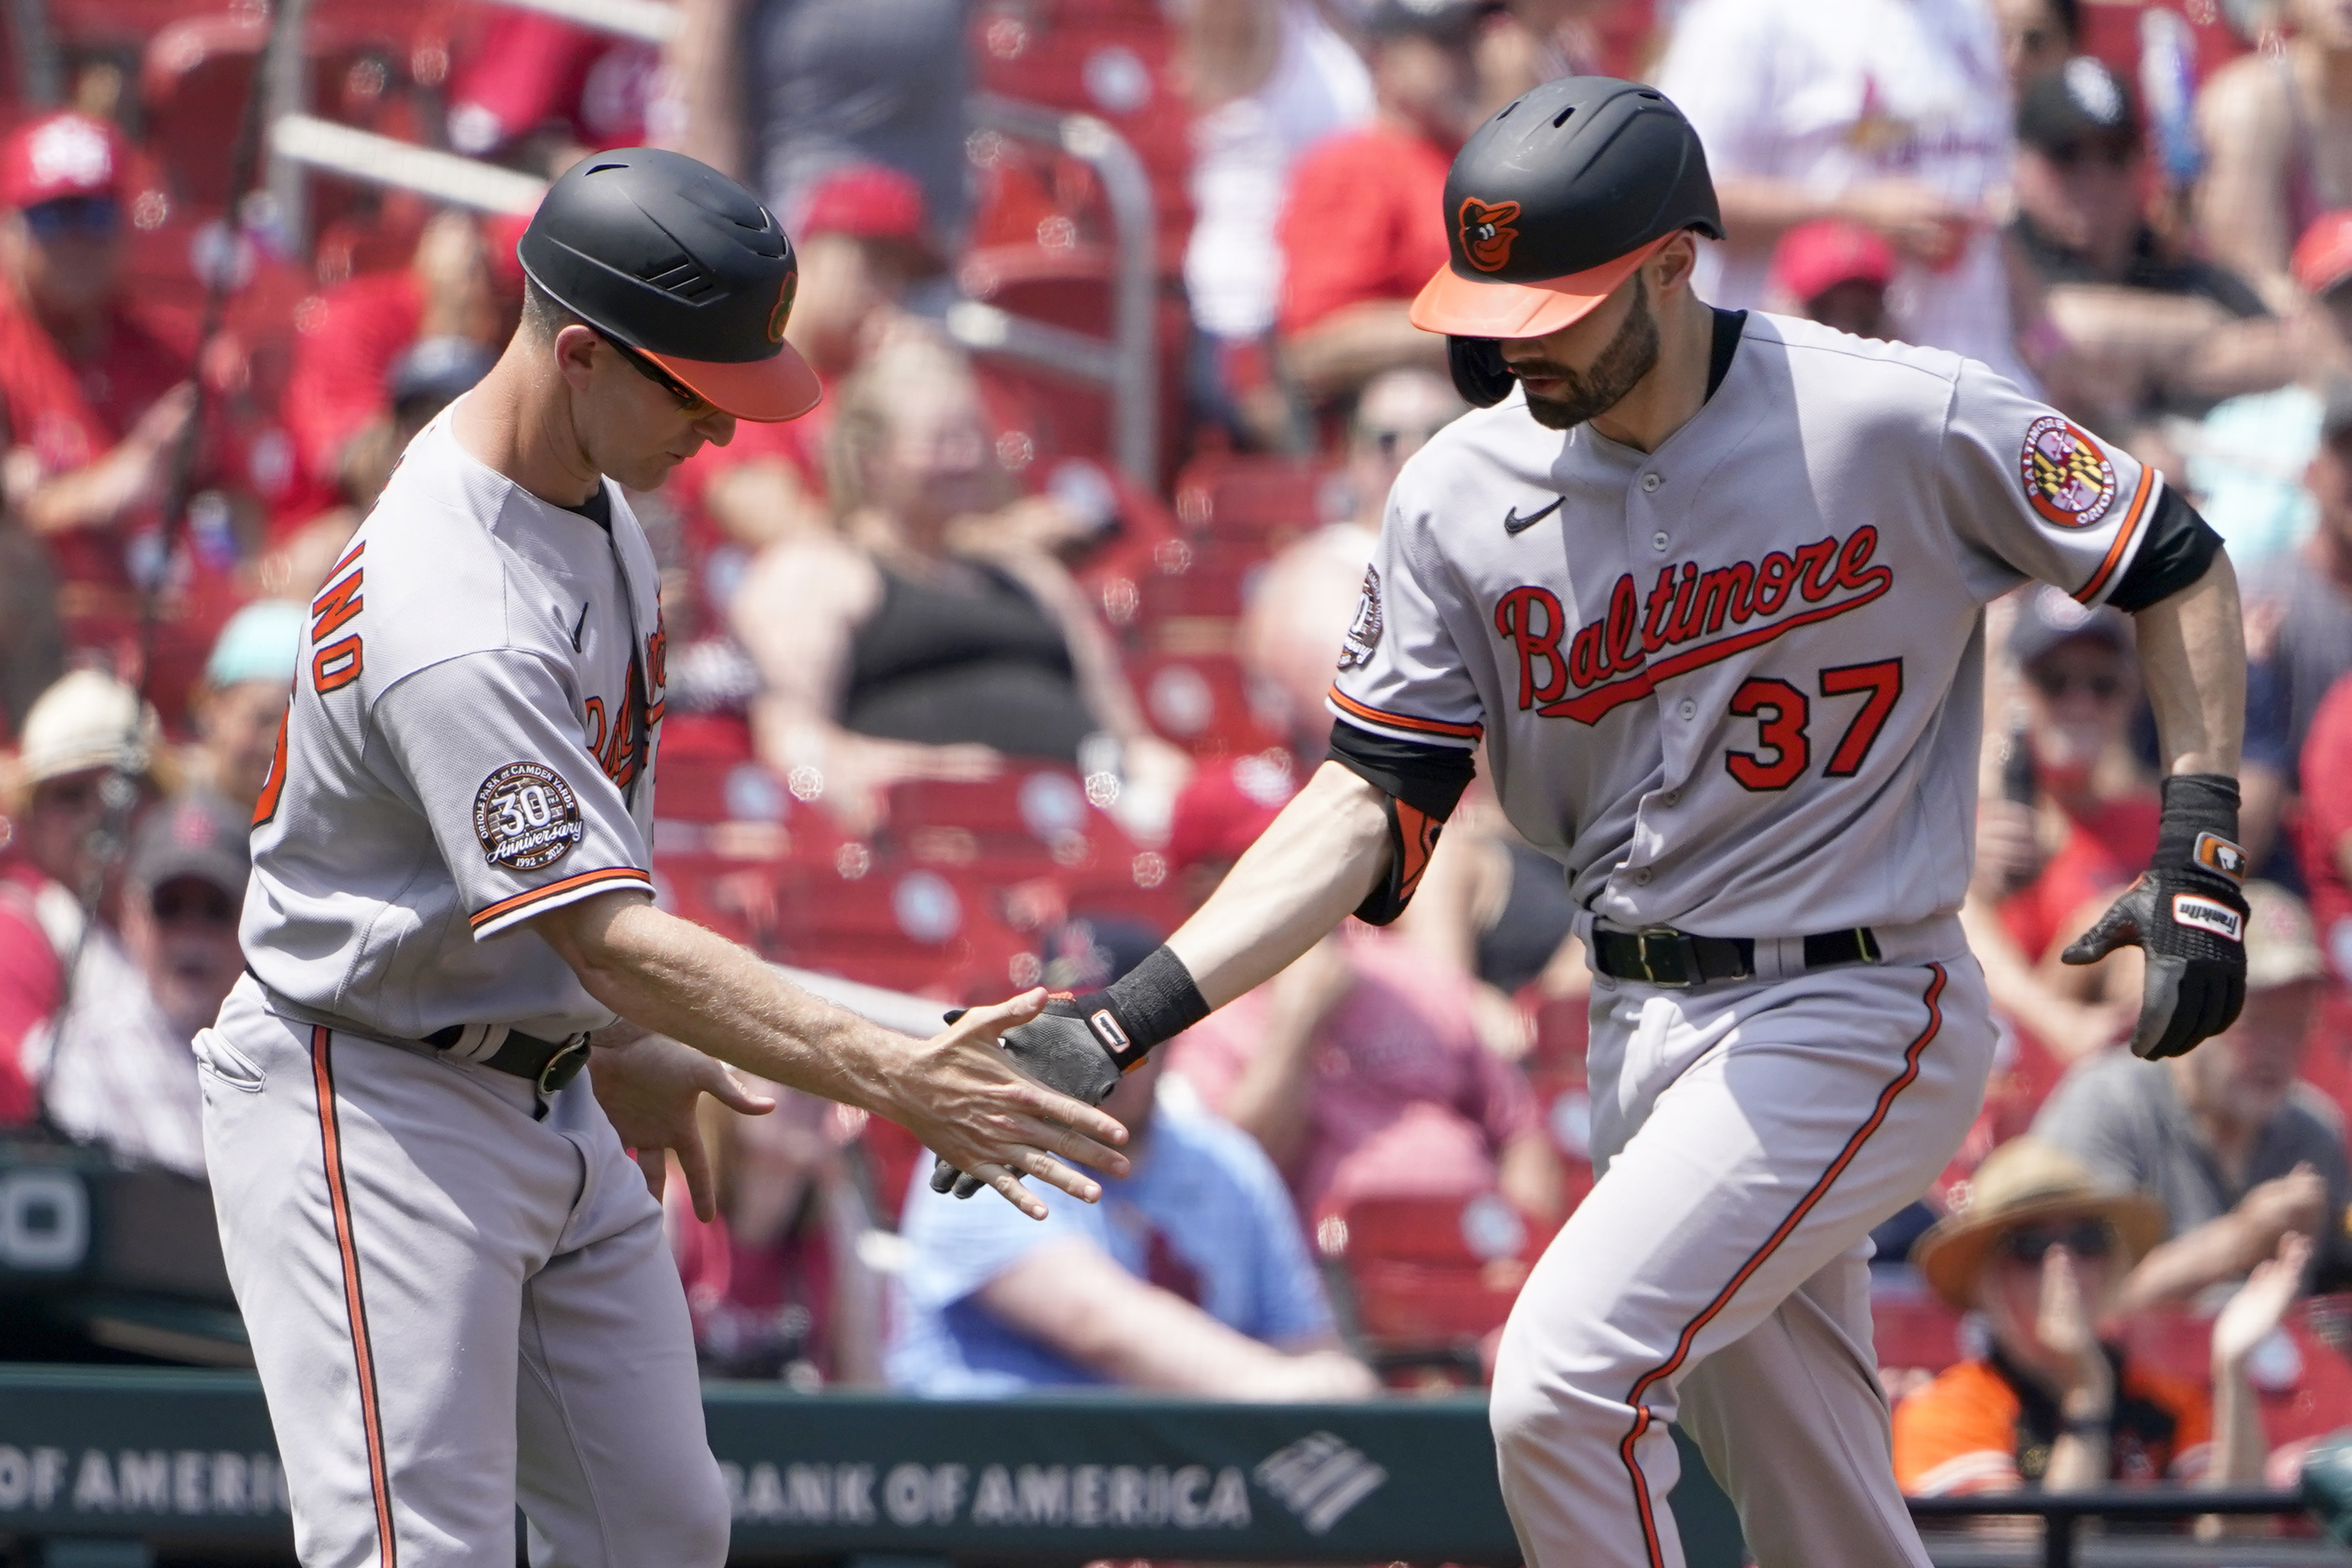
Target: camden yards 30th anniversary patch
{"points": [[526, 816]]}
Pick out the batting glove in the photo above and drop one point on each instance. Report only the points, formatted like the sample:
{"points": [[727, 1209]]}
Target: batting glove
{"points": [[2187, 915], [1081, 1044]]}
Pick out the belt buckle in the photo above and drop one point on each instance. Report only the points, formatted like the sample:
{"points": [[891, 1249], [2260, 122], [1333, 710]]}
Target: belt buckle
{"points": [[564, 1065], [1682, 947]]}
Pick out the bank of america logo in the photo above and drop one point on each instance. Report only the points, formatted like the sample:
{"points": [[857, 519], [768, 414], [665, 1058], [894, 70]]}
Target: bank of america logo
{"points": [[1319, 1478]]}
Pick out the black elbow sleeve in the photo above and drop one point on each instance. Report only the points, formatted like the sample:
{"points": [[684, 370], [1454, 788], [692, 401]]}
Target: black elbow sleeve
{"points": [[2179, 550], [1421, 785]]}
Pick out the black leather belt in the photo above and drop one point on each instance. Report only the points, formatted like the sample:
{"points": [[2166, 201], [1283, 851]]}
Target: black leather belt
{"points": [[549, 1063], [1664, 956]]}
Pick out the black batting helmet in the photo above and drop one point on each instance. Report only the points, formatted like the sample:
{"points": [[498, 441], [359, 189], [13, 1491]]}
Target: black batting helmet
{"points": [[667, 256], [1554, 201]]}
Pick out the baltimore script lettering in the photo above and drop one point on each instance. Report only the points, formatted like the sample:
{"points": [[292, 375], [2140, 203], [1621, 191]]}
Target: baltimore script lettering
{"points": [[1609, 661]]}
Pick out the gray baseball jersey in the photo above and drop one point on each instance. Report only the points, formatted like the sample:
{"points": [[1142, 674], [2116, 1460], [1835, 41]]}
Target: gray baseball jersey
{"points": [[468, 745], [1734, 685]]}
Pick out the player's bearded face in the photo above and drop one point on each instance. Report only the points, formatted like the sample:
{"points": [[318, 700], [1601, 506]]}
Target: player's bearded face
{"points": [[1574, 395]]}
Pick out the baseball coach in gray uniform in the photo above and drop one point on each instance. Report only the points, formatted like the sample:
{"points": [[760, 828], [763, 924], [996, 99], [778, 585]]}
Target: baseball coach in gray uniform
{"points": [[456, 1280]]}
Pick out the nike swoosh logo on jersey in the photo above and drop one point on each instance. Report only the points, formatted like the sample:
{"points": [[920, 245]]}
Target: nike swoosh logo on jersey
{"points": [[579, 626], [1515, 524]]}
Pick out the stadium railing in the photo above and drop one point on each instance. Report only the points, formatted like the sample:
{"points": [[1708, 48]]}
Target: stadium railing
{"points": [[2063, 1514]]}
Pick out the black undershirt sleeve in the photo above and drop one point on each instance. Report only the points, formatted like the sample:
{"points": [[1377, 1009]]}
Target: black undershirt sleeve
{"points": [[2179, 550], [1429, 778]]}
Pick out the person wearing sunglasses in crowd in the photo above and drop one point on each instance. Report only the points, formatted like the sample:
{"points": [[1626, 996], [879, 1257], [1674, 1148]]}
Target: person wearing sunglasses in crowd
{"points": [[2064, 826], [2053, 1404], [2134, 324]]}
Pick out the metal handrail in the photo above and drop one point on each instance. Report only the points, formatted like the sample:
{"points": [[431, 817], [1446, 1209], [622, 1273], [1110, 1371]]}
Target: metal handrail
{"points": [[2063, 1512], [1132, 366]]}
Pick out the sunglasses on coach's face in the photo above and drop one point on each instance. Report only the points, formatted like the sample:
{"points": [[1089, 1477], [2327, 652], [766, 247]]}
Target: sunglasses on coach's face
{"points": [[2031, 1244], [91, 217], [691, 404]]}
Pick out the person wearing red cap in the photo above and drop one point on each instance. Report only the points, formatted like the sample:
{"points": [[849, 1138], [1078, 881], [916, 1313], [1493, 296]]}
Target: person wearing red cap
{"points": [[1354, 230], [1836, 273], [93, 398]]}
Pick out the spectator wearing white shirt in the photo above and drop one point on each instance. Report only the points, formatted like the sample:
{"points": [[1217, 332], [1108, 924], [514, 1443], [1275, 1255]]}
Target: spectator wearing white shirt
{"points": [[1892, 113]]}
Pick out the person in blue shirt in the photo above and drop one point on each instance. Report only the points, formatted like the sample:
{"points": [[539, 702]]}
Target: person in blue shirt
{"points": [[1191, 1276]]}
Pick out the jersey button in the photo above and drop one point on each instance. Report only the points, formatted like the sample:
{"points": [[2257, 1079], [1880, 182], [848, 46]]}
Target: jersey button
{"points": [[1671, 798], [1643, 876], [1651, 482], [1689, 708], [1658, 541]]}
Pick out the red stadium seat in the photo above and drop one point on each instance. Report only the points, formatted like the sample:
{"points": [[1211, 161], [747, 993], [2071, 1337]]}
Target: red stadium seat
{"points": [[1239, 498], [1203, 701], [1429, 1277]]}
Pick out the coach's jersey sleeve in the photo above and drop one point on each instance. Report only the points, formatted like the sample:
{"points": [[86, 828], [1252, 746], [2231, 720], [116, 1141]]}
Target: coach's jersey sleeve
{"points": [[524, 817], [1401, 673], [2029, 494]]}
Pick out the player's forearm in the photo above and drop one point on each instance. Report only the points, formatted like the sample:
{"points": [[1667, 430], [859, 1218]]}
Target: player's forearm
{"points": [[672, 978], [2192, 654], [1304, 874]]}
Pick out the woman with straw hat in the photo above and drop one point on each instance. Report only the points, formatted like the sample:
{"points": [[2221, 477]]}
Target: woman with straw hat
{"points": [[2040, 1251]]}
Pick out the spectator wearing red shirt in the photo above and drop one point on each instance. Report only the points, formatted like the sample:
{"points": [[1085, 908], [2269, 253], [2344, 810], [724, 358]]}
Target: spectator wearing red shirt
{"points": [[1364, 227], [2325, 843], [1359, 1069], [92, 399], [80, 729]]}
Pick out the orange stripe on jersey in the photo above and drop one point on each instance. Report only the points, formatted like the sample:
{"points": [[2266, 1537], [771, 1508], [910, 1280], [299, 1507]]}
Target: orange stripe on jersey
{"points": [[1755, 1259], [2130, 524], [1406, 721], [338, 1204], [524, 900], [356, 551], [265, 807], [337, 605]]}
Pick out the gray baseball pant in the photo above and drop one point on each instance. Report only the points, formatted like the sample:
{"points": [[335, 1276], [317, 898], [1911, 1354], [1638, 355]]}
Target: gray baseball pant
{"points": [[457, 1302]]}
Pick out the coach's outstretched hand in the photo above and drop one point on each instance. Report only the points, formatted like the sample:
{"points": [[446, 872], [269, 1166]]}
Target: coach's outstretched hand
{"points": [[2186, 914], [980, 1112]]}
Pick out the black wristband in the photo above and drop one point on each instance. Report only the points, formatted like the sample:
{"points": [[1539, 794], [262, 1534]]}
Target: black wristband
{"points": [[1155, 1001], [2199, 829]]}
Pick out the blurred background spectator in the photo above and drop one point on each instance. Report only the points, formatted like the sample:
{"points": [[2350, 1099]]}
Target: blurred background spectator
{"points": [[2149, 327], [1190, 1275], [935, 633], [2278, 155], [1895, 116], [1359, 1069], [1357, 236], [778, 1285], [2240, 1151], [1834, 271], [2040, 1252], [236, 708], [80, 734]]}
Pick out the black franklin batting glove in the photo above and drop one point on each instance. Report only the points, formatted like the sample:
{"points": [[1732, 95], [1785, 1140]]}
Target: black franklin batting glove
{"points": [[1081, 1044], [2186, 914]]}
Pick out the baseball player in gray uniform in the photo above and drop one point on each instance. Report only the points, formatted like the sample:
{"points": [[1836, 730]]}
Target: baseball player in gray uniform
{"points": [[456, 1282], [1709, 587]]}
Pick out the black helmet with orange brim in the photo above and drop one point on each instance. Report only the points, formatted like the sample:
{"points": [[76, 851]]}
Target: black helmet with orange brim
{"points": [[673, 260], [1549, 206]]}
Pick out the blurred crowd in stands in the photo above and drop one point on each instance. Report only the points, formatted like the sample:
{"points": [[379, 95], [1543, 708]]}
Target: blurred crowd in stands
{"points": [[959, 704]]}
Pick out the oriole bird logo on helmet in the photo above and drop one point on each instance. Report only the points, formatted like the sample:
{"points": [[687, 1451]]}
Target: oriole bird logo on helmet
{"points": [[1486, 234]]}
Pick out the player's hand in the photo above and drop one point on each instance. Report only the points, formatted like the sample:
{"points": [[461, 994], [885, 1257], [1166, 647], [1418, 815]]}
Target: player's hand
{"points": [[974, 1106], [2191, 925], [650, 1089], [1058, 1049]]}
